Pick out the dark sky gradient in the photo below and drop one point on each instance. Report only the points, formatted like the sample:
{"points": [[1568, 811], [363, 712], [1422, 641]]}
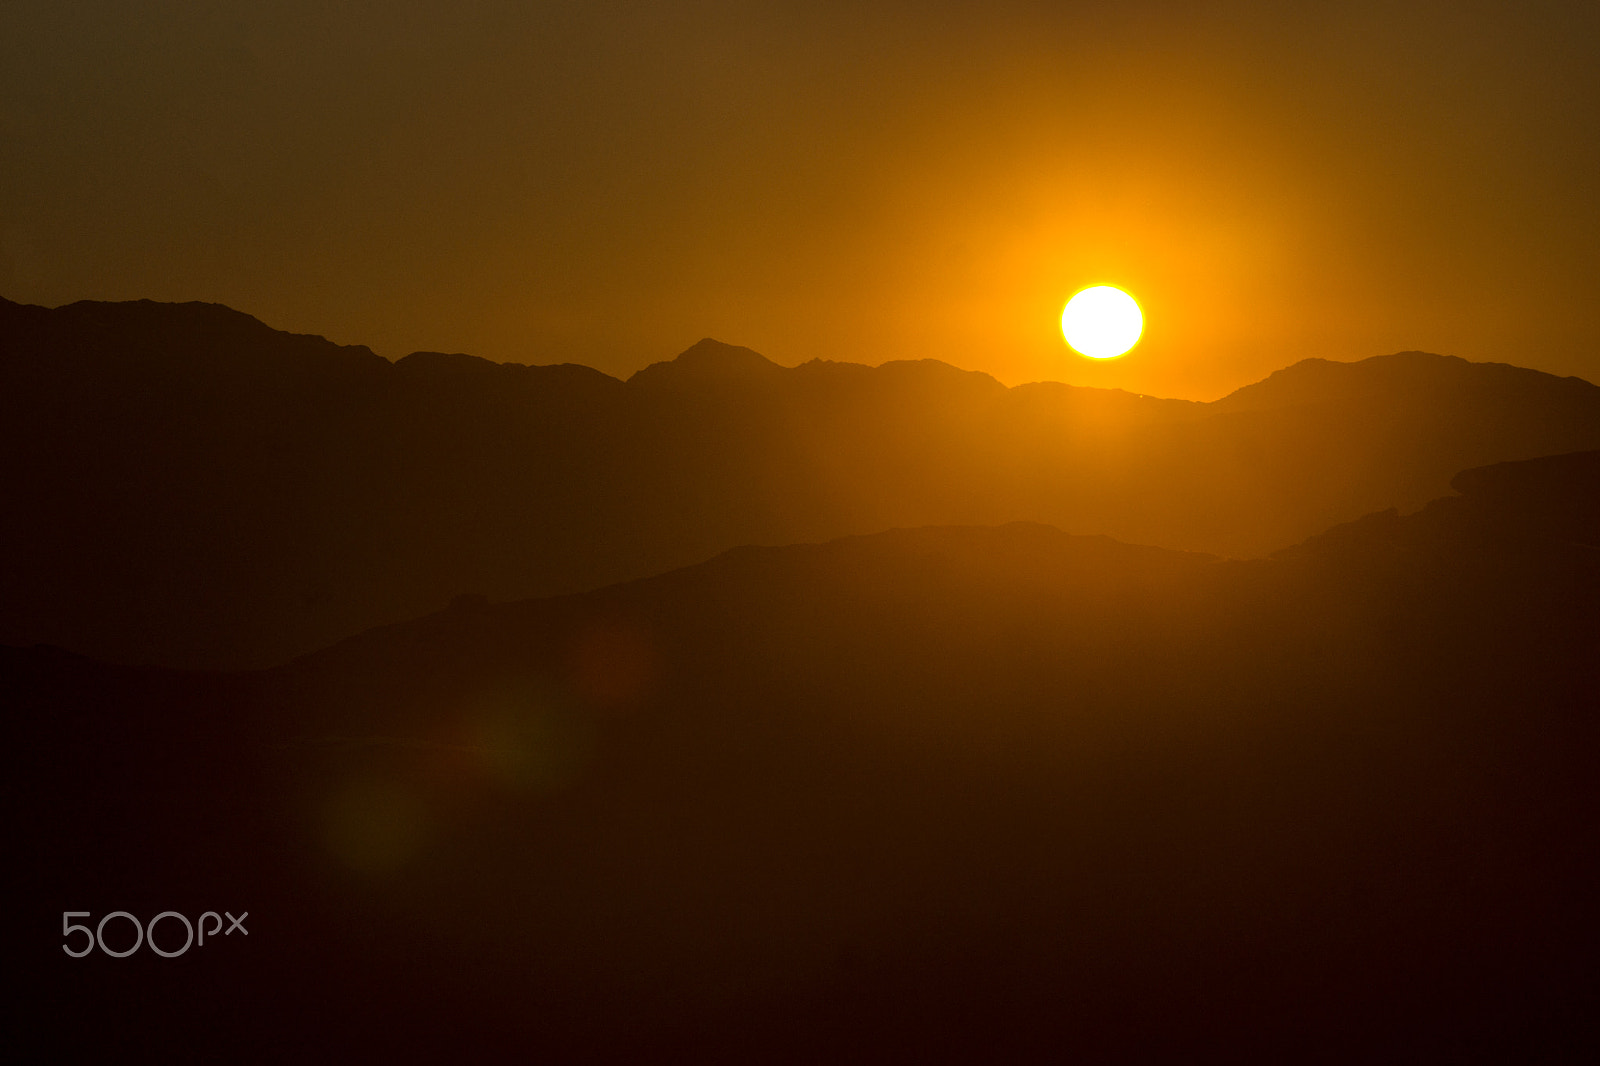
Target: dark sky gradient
{"points": [[608, 182]]}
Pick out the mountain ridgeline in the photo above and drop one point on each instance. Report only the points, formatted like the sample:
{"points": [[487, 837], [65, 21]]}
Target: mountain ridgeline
{"points": [[189, 487], [945, 794]]}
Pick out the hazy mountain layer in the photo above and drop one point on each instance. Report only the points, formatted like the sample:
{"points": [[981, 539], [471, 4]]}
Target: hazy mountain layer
{"points": [[187, 486], [942, 794]]}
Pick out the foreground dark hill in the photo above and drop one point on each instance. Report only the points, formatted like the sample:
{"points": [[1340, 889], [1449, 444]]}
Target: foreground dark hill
{"points": [[187, 486], [953, 794]]}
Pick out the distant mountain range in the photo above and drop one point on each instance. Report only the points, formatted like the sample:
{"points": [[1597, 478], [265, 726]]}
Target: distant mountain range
{"points": [[186, 486], [942, 794]]}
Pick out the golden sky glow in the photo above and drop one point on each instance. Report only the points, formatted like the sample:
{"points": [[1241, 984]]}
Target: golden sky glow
{"points": [[609, 183]]}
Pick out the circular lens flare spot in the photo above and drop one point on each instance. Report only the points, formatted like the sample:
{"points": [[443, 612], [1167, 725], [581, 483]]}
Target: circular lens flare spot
{"points": [[374, 827], [1102, 322]]}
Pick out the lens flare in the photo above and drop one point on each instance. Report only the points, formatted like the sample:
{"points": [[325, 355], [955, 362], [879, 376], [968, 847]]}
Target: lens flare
{"points": [[374, 826]]}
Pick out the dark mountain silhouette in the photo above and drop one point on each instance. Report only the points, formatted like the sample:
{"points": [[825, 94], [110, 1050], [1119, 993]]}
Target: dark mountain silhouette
{"points": [[969, 794], [186, 486]]}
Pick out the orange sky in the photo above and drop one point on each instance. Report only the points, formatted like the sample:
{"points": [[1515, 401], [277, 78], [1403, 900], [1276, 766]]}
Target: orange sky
{"points": [[608, 182]]}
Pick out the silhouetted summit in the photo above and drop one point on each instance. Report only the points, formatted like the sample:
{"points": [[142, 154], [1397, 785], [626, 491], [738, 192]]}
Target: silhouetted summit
{"points": [[167, 345], [1402, 378], [187, 486], [1560, 494], [1547, 507], [706, 362]]}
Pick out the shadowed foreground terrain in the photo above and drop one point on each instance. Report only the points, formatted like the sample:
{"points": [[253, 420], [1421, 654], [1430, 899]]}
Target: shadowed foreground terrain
{"points": [[186, 487], [974, 793]]}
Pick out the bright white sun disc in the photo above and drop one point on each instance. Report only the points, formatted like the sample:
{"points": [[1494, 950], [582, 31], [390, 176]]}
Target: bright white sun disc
{"points": [[1102, 322]]}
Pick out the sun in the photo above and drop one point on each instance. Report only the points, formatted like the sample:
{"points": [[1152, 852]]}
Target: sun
{"points": [[1102, 322]]}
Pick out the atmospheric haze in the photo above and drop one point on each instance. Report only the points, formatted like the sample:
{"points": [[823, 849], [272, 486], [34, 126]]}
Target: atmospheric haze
{"points": [[605, 184], [654, 584]]}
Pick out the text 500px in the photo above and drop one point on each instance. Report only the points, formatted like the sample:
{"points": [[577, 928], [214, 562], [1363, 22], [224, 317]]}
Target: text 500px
{"points": [[146, 933]]}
